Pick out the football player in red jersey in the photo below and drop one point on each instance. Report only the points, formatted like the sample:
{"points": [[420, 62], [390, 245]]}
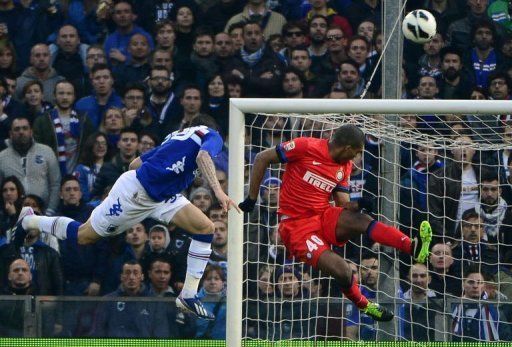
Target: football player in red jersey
{"points": [[317, 169]]}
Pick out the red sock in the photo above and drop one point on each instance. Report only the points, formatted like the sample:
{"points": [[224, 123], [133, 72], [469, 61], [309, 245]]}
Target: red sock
{"points": [[389, 236], [353, 293]]}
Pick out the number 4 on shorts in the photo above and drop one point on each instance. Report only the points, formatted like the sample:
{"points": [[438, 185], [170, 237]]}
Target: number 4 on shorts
{"points": [[313, 242]]}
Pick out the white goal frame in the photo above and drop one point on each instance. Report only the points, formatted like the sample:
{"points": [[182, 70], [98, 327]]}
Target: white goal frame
{"points": [[237, 109]]}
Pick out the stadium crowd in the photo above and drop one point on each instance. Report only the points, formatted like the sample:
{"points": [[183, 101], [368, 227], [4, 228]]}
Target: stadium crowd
{"points": [[87, 86]]}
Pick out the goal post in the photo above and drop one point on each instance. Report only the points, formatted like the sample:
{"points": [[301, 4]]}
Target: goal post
{"points": [[237, 127]]}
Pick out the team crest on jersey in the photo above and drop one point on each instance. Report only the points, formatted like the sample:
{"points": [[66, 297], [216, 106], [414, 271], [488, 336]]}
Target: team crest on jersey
{"points": [[339, 175], [289, 146]]}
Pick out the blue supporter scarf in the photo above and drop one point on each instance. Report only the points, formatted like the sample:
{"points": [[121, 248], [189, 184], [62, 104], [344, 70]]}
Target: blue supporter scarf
{"points": [[61, 136]]}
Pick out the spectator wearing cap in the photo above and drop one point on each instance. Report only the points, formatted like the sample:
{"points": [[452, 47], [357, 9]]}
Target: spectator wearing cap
{"points": [[459, 32], [483, 58], [269, 21], [116, 44]]}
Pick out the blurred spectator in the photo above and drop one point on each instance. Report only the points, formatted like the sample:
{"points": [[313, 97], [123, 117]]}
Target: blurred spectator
{"points": [[220, 12], [459, 32], [23, 27], [505, 46], [418, 313], [225, 54], [294, 34], [162, 58], [499, 11], [94, 154], [10, 203], [136, 67], [110, 171], [116, 44], [430, 62], [317, 34], [202, 57], [265, 283], [475, 321], [8, 59], [111, 124], [202, 198], [234, 85], [269, 21], [32, 97], [141, 319], [473, 250], [350, 79], [213, 295], [235, 31], [64, 129], [499, 88], [159, 273], [454, 82], [413, 186], [178, 250], [495, 213], [314, 86], [217, 102], [292, 84], [483, 59], [136, 114], [445, 271], [321, 7], [191, 101], [165, 36], [31, 162], [357, 325], [147, 141], [103, 96], [454, 188], [262, 67], [329, 64], [216, 213], [69, 58], [358, 49], [40, 69], [43, 260], [361, 10], [12, 313], [219, 255], [83, 266]]}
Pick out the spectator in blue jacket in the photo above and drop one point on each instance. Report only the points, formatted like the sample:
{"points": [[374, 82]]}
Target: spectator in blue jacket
{"points": [[125, 319], [104, 96], [213, 295], [116, 44]]}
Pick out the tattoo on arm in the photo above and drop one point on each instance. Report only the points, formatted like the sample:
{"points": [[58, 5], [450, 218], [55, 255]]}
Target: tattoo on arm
{"points": [[207, 168]]}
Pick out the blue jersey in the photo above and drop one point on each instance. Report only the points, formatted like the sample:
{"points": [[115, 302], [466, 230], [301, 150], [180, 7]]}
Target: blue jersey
{"points": [[170, 168]]}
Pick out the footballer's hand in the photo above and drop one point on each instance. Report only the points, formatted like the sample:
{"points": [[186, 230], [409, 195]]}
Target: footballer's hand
{"points": [[226, 202], [366, 203], [247, 205]]}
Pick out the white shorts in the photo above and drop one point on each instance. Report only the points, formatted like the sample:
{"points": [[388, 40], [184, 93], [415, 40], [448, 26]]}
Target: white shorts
{"points": [[128, 204]]}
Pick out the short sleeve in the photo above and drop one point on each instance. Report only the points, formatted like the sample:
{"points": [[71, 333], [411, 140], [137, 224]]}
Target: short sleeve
{"points": [[292, 150], [212, 143]]}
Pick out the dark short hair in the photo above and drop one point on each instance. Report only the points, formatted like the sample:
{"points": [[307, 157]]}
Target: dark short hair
{"points": [[162, 23], [131, 262], [499, 74], [190, 86], [489, 175], [161, 260], [101, 66], [67, 178], [348, 135], [472, 269], [483, 23], [450, 50], [134, 86], [30, 84], [64, 82], [351, 62], [237, 25], [469, 214]]}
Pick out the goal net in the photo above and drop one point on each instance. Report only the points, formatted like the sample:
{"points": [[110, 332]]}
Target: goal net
{"points": [[449, 166]]}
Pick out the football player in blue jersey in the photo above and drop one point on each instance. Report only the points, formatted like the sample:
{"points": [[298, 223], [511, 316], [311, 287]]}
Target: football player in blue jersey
{"points": [[151, 189]]}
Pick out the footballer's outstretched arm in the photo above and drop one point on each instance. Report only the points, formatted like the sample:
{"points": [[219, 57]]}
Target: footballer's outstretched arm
{"points": [[207, 168], [261, 162]]}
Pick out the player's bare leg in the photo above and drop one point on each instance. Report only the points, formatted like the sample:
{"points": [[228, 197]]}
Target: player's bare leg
{"points": [[193, 220], [351, 224], [337, 267]]}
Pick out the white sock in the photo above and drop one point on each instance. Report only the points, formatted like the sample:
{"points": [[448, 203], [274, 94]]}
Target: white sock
{"points": [[56, 226], [197, 259]]}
